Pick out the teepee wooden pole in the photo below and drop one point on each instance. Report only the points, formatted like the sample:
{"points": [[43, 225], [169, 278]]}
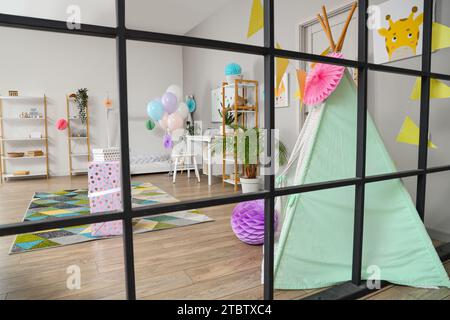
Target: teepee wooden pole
{"points": [[327, 25], [327, 31], [340, 43]]}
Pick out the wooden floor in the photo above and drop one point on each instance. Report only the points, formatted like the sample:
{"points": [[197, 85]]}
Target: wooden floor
{"points": [[203, 261]]}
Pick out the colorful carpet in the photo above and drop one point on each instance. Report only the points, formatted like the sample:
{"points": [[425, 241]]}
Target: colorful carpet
{"points": [[72, 203]]}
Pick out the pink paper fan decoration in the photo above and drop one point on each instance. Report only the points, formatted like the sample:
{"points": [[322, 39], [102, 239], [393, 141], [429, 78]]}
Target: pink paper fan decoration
{"points": [[322, 80], [61, 124]]}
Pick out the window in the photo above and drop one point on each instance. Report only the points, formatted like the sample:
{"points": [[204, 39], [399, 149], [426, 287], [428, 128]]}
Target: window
{"points": [[270, 51]]}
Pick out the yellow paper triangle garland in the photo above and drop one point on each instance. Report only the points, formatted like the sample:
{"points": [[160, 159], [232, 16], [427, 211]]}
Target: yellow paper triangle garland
{"points": [[410, 133], [280, 90], [256, 22], [438, 90], [441, 36], [281, 67], [301, 79]]}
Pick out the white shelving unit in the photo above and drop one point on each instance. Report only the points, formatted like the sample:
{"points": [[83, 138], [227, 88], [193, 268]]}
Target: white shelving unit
{"points": [[76, 121], [9, 143]]}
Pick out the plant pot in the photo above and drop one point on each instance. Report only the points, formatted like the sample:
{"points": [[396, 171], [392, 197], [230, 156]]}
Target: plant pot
{"points": [[250, 185], [228, 130], [233, 77]]}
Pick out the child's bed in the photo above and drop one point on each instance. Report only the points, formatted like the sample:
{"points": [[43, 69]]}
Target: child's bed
{"points": [[146, 163]]}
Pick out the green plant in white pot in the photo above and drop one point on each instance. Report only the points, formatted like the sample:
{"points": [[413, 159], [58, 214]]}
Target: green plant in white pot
{"points": [[247, 144]]}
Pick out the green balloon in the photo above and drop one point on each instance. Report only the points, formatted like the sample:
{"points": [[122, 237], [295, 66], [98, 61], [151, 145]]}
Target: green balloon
{"points": [[150, 124]]}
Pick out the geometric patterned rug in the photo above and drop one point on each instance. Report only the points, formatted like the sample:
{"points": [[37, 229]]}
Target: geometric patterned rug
{"points": [[70, 203]]}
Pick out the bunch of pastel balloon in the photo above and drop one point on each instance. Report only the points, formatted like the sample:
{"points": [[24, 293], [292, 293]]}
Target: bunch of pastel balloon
{"points": [[169, 111]]}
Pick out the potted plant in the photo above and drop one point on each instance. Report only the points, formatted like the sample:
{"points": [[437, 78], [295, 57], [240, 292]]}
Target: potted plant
{"points": [[229, 120], [247, 145], [81, 100]]}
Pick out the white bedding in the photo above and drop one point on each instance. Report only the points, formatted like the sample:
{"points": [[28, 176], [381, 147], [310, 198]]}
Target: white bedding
{"points": [[146, 163]]}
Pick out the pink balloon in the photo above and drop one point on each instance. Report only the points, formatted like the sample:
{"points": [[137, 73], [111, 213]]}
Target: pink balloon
{"points": [[175, 121], [164, 121], [61, 124], [170, 102]]}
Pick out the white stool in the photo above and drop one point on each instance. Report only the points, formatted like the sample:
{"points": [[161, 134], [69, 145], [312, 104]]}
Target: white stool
{"points": [[187, 156]]}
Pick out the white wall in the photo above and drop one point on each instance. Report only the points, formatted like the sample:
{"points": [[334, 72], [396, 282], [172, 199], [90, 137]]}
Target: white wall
{"points": [[152, 68], [38, 63], [100, 12]]}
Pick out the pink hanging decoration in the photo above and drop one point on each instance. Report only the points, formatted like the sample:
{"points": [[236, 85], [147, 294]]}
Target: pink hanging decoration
{"points": [[322, 80], [61, 124]]}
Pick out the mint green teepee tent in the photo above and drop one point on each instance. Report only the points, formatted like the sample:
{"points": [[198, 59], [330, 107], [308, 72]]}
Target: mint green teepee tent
{"points": [[314, 247]]}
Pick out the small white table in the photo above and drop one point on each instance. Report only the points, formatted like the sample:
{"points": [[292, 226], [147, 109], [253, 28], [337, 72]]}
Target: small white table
{"points": [[207, 139]]}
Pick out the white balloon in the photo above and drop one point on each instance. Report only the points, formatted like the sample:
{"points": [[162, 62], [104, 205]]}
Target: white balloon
{"points": [[163, 122], [176, 90], [183, 109]]}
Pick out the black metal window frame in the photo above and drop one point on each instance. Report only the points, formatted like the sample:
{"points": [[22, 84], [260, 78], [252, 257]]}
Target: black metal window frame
{"points": [[269, 52]]}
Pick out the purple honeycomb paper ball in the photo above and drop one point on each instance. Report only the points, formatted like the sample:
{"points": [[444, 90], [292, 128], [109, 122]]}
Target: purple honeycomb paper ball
{"points": [[247, 221]]}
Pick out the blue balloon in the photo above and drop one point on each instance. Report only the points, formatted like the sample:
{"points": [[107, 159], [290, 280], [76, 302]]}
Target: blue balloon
{"points": [[155, 110], [191, 104]]}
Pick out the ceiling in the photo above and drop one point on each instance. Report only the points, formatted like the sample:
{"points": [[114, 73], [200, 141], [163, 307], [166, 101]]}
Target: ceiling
{"points": [[169, 16]]}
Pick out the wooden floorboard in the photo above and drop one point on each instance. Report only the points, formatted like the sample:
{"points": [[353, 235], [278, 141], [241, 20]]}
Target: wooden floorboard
{"points": [[409, 293], [204, 261]]}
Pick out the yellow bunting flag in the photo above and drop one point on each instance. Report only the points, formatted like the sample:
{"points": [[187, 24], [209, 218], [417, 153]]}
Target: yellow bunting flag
{"points": [[256, 22], [301, 78], [281, 66], [438, 90], [441, 37], [280, 90], [410, 133]]}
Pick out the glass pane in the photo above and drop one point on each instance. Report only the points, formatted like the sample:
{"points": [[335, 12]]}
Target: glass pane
{"points": [[100, 12], [318, 132], [396, 244], [394, 115], [395, 33], [85, 271], [441, 34], [297, 27], [224, 20], [437, 219], [176, 98], [196, 254], [313, 241], [438, 153], [50, 127]]}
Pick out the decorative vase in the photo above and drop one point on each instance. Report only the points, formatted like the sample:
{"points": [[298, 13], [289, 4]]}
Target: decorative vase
{"points": [[228, 130]]}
